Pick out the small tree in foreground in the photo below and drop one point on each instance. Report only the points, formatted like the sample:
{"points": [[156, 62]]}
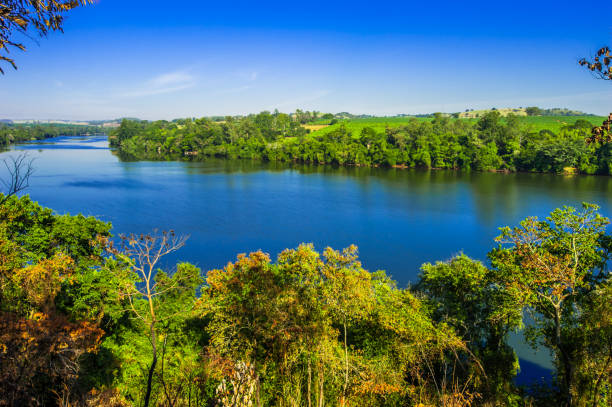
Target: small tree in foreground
{"points": [[154, 296]]}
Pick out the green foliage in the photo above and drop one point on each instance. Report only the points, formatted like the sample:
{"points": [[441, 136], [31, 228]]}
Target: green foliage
{"points": [[309, 329], [492, 143], [324, 328], [533, 111], [462, 292], [52, 300], [552, 268], [14, 133]]}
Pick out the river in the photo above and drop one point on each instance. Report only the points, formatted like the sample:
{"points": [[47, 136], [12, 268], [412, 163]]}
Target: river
{"points": [[398, 218]]}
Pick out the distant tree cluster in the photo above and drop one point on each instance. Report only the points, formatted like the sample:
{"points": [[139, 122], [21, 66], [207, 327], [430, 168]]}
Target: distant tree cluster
{"points": [[533, 111], [490, 144], [14, 133], [557, 111]]}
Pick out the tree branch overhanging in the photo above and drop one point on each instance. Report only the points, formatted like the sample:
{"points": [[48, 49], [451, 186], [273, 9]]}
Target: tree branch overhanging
{"points": [[21, 17]]}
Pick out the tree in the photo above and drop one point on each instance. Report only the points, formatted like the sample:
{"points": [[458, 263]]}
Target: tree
{"points": [[533, 111], [549, 267], [150, 292], [594, 372], [349, 293], [41, 352], [269, 317], [51, 301], [462, 293], [19, 170], [601, 67], [601, 134], [315, 330]]}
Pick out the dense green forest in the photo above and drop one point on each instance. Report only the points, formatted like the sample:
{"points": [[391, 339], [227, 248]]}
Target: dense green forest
{"points": [[491, 143], [92, 320], [14, 133]]}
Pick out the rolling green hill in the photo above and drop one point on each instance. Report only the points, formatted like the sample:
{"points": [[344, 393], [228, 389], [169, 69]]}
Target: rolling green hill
{"points": [[530, 123]]}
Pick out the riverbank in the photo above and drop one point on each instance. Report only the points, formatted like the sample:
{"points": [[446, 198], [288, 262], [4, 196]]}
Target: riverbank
{"points": [[489, 144]]}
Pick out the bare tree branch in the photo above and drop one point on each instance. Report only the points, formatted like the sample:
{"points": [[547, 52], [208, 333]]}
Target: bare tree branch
{"points": [[19, 169]]}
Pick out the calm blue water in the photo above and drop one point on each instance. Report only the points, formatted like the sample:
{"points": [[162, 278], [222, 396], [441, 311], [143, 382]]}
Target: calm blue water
{"points": [[398, 218]]}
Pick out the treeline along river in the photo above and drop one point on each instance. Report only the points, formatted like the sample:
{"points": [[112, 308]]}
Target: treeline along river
{"points": [[399, 218]]}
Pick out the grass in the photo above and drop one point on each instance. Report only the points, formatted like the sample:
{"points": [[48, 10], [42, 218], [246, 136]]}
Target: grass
{"points": [[555, 123], [379, 124]]}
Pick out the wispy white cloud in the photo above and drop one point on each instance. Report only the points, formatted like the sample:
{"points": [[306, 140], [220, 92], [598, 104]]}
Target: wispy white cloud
{"points": [[171, 78], [165, 83]]}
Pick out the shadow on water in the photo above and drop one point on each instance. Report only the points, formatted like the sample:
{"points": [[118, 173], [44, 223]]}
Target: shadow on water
{"points": [[109, 183], [44, 146]]}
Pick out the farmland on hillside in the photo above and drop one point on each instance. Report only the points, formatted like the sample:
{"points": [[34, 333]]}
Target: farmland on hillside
{"points": [[379, 124]]}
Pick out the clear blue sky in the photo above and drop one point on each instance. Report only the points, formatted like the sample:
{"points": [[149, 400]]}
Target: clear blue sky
{"points": [[153, 59]]}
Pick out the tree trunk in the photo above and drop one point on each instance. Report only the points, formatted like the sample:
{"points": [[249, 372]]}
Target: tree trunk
{"points": [[309, 382], [321, 388], [564, 359], [596, 392], [258, 391], [346, 367], [152, 368]]}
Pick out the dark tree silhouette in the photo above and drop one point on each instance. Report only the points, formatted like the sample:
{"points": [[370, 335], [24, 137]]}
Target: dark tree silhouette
{"points": [[601, 66], [601, 134]]}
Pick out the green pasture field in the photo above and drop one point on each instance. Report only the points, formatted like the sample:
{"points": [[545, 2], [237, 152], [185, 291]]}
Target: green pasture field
{"points": [[555, 123], [531, 123]]}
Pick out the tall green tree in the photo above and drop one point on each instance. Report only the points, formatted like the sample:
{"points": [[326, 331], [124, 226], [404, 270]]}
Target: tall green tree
{"points": [[463, 293], [550, 267]]}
